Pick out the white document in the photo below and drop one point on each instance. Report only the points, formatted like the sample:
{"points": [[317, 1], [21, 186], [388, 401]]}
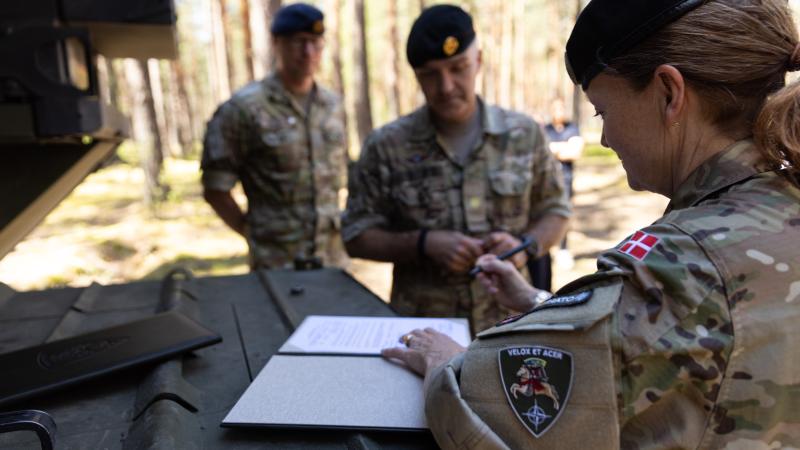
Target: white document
{"points": [[360, 392], [350, 335]]}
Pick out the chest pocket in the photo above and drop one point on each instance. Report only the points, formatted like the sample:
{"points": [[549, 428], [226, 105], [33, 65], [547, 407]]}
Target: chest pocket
{"points": [[420, 193], [333, 135], [280, 148], [510, 184]]}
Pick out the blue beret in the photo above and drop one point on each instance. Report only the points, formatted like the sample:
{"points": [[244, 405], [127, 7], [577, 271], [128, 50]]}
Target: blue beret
{"points": [[440, 32], [297, 18], [606, 29]]}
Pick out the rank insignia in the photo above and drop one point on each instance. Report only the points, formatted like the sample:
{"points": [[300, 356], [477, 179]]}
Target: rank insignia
{"points": [[537, 382], [318, 27], [639, 245], [450, 46]]}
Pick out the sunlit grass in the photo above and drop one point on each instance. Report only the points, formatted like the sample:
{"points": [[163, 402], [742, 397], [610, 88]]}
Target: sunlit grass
{"points": [[103, 232]]}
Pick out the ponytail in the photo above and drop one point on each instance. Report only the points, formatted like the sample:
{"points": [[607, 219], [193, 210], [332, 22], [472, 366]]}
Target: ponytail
{"points": [[777, 130]]}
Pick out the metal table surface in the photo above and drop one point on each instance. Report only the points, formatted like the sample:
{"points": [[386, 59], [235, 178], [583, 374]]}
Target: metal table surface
{"points": [[180, 403]]}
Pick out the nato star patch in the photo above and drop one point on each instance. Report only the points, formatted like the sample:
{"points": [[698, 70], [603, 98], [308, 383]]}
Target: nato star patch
{"points": [[537, 381]]}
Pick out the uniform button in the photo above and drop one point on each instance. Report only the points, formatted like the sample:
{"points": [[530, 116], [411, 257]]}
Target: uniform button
{"points": [[474, 202]]}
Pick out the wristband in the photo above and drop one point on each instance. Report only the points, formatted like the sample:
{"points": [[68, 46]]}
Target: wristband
{"points": [[423, 234], [533, 248]]}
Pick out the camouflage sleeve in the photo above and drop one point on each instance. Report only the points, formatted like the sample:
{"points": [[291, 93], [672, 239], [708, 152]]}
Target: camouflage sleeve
{"points": [[223, 148], [367, 199], [673, 334], [345, 157], [548, 194]]}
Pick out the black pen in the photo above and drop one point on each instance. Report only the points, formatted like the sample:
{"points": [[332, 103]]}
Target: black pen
{"points": [[505, 255]]}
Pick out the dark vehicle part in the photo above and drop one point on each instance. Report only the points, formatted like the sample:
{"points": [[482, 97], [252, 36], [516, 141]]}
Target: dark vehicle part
{"points": [[55, 128]]}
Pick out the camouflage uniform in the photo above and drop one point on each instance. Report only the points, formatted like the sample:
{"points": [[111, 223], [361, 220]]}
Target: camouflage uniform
{"points": [[405, 180], [689, 338], [291, 167]]}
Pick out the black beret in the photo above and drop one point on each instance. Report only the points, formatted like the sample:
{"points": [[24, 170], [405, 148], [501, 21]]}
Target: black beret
{"points": [[296, 18], [608, 28], [440, 32]]}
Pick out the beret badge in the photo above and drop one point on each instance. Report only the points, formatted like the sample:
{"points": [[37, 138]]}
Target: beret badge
{"points": [[318, 27], [450, 46]]}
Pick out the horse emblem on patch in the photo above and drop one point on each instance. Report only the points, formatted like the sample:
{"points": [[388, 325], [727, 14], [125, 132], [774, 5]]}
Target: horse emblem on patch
{"points": [[537, 381]]}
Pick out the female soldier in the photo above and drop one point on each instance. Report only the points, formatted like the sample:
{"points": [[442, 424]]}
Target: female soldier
{"points": [[687, 336]]}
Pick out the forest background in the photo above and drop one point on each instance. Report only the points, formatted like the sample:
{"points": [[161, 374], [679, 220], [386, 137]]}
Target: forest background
{"points": [[142, 213]]}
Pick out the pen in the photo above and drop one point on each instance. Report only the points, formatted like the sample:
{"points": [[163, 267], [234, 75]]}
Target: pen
{"points": [[505, 255]]}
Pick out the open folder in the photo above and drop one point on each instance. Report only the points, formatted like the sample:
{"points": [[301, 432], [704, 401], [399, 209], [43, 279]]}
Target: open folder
{"points": [[329, 374]]}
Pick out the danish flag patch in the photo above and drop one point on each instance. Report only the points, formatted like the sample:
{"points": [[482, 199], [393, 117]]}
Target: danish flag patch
{"points": [[639, 245]]}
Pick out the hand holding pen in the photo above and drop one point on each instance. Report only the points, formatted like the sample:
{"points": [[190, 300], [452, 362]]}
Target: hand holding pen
{"points": [[526, 242]]}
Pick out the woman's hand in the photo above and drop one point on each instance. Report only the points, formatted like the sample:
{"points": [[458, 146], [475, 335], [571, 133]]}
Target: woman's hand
{"points": [[504, 282], [426, 350]]}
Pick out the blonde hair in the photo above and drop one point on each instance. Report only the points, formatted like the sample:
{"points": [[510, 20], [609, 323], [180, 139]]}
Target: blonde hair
{"points": [[735, 54]]}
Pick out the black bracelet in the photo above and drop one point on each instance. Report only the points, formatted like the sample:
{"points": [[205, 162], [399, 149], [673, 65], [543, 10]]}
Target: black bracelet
{"points": [[533, 248], [423, 234]]}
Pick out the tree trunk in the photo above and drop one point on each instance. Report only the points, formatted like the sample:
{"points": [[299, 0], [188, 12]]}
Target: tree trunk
{"points": [[506, 55], [161, 106], [393, 55], [259, 39], [184, 111], [248, 39], [334, 45], [361, 76], [152, 152], [272, 7], [226, 38], [218, 67], [519, 62]]}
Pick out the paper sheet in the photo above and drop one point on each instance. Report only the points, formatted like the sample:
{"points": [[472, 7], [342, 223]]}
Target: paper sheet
{"points": [[349, 335], [356, 392]]}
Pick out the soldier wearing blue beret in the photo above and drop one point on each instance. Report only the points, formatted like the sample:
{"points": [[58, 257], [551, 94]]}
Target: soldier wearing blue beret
{"points": [[686, 337], [283, 138], [454, 179]]}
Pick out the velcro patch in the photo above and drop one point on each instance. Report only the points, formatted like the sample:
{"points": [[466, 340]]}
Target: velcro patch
{"points": [[552, 302], [566, 300], [537, 381], [639, 245]]}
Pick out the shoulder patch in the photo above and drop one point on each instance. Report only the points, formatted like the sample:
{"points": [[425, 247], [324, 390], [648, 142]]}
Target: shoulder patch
{"points": [[639, 245], [566, 300], [537, 381], [553, 302]]}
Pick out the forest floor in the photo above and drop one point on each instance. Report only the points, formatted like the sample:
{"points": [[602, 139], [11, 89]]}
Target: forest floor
{"points": [[102, 232]]}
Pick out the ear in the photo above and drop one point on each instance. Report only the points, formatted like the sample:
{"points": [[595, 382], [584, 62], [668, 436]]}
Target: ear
{"points": [[479, 58], [671, 87]]}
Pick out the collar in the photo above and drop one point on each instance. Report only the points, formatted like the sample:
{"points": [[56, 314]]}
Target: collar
{"points": [[738, 162], [492, 122], [277, 91]]}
